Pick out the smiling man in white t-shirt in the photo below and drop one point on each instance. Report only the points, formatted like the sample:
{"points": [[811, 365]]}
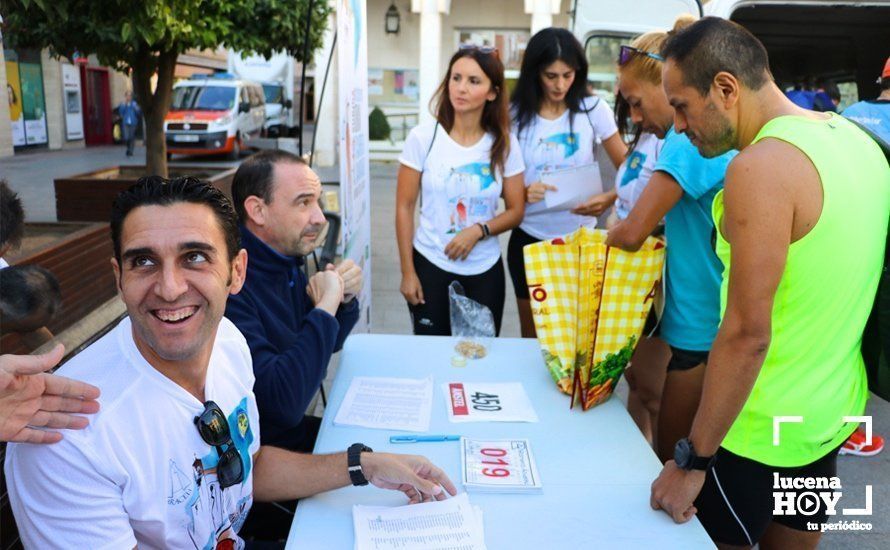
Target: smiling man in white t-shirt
{"points": [[173, 459]]}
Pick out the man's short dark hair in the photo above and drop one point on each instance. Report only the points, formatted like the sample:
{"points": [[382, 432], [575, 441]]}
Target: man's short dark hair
{"points": [[26, 291], [712, 45], [12, 216], [254, 177], [158, 191]]}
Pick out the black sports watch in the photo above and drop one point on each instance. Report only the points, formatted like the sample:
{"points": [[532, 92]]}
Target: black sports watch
{"points": [[686, 459], [353, 460]]}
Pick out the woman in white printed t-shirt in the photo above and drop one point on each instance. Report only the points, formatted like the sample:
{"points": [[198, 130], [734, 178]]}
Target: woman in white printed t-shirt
{"points": [[460, 165], [558, 125]]}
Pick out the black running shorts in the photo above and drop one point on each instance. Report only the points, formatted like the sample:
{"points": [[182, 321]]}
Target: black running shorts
{"points": [[736, 503]]}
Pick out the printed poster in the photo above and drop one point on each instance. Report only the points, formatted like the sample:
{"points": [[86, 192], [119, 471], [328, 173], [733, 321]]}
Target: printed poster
{"points": [[33, 104], [14, 91], [355, 197]]}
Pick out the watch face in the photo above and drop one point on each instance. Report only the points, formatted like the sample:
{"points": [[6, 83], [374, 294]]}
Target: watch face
{"points": [[682, 453]]}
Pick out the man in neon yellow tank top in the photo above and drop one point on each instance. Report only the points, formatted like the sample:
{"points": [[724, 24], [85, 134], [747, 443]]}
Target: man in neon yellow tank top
{"points": [[804, 213]]}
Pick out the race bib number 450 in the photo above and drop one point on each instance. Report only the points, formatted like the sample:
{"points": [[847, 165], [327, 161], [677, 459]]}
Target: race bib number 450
{"points": [[488, 402]]}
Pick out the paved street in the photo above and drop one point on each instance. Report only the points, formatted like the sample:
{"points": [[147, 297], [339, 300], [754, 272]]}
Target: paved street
{"points": [[31, 174]]}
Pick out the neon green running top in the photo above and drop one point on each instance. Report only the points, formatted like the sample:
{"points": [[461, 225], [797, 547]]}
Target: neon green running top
{"points": [[813, 368]]}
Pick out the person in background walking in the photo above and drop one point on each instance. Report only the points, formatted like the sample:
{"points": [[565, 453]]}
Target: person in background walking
{"points": [[130, 113], [558, 124], [462, 163]]}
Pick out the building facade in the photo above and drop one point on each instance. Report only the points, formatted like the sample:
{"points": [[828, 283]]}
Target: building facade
{"points": [[406, 67], [70, 103]]}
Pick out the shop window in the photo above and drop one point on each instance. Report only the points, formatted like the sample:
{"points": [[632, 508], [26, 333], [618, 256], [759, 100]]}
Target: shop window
{"points": [[510, 44], [393, 86]]}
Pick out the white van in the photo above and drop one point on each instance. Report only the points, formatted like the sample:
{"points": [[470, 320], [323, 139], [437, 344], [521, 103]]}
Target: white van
{"points": [[277, 76], [845, 41], [279, 111], [603, 26], [213, 115]]}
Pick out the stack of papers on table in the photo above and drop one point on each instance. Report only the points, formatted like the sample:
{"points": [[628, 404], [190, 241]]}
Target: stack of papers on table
{"points": [[446, 524], [499, 466], [387, 404]]}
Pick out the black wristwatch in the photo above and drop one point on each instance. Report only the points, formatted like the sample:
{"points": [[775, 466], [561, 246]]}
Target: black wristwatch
{"points": [[686, 459], [353, 460]]}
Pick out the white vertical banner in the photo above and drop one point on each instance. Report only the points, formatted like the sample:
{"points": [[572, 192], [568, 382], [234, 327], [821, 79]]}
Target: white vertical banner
{"points": [[355, 181]]}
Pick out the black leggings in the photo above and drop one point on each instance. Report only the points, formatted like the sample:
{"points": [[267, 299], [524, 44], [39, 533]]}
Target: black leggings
{"points": [[433, 318], [519, 239]]}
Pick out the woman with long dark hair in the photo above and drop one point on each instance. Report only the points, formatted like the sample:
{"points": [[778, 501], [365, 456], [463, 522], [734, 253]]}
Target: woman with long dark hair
{"points": [[559, 125], [459, 165]]}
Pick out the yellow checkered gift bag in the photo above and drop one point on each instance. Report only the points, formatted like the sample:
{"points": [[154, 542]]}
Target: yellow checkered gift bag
{"points": [[590, 302]]}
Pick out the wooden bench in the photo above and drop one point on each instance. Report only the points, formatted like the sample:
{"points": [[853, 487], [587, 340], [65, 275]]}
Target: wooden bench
{"points": [[81, 263], [88, 197]]}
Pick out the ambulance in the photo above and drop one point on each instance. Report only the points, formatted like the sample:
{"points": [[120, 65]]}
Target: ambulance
{"points": [[214, 115]]}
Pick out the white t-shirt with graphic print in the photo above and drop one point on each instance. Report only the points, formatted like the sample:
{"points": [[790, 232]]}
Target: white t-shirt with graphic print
{"points": [[564, 142], [457, 190], [140, 474], [634, 173]]}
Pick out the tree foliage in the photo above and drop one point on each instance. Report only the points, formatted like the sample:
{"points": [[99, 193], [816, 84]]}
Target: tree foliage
{"points": [[146, 37], [378, 126]]}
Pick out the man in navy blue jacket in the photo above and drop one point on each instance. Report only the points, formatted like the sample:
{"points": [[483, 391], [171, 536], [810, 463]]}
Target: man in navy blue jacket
{"points": [[291, 324]]}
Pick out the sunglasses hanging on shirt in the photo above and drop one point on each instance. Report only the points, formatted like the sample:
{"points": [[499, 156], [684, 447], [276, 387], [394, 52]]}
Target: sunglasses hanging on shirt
{"points": [[214, 429]]}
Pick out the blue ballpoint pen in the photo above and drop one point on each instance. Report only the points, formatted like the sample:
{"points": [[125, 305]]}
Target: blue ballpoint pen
{"points": [[422, 438]]}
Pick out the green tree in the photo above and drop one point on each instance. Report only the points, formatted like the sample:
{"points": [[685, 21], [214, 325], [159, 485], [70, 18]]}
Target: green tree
{"points": [[144, 38], [378, 126]]}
